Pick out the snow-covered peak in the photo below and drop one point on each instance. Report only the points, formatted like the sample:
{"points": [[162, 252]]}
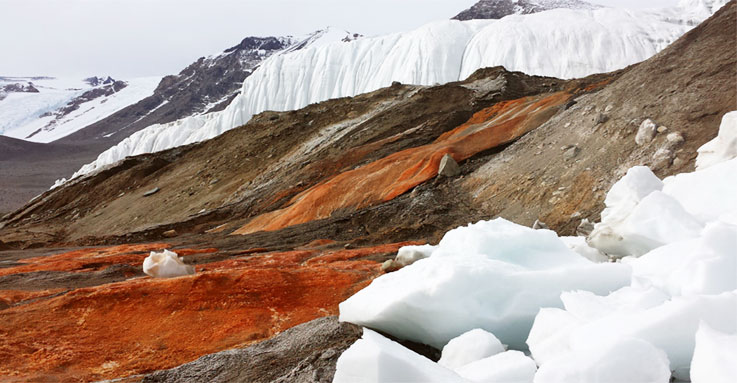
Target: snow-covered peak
{"points": [[323, 37], [97, 80], [496, 9]]}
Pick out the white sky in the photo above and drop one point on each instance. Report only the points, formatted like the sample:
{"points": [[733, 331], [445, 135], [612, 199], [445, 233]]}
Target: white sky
{"points": [[128, 38], [134, 38]]}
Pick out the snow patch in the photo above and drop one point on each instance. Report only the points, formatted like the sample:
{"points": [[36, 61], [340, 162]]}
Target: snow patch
{"points": [[723, 147], [166, 264]]}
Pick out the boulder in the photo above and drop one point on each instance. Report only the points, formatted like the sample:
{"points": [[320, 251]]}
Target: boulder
{"points": [[646, 132], [584, 228], [304, 353], [448, 167], [151, 192], [540, 225]]}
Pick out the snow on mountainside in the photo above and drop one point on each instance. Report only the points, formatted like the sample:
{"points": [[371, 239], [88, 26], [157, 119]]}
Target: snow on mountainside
{"points": [[562, 43], [44, 109], [496, 9], [206, 85]]}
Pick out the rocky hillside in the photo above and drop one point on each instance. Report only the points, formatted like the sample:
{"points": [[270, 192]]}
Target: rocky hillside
{"points": [[496, 9], [293, 212]]}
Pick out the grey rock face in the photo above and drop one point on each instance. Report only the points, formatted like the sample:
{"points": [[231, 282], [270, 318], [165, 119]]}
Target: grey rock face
{"points": [[305, 353], [496, 9], [584, 228], [448, 167], [539, 225], [571, 152]]}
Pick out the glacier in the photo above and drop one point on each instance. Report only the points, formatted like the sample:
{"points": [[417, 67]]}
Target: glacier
{"points": [[26, 116], [563, 43]]}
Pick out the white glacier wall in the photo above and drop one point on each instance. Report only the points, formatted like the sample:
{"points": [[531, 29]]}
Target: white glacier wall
{"points": [[563, 43]]}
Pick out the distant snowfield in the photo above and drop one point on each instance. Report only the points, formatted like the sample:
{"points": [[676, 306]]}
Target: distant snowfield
{"points": [[562, 43], [20, 113]]}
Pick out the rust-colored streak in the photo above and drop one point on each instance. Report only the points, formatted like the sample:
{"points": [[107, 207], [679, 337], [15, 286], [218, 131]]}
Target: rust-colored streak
{"points": [[391, 176], [87, 259], [12, 297], [147, 324]]}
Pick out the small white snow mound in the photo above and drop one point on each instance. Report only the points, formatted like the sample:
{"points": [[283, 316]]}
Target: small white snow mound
{"points": [[723, 147], [376, 359], [624, 360], [408, 255], [166, 264], [505, 367], [494, 275], [715, 357], [469, 347]]}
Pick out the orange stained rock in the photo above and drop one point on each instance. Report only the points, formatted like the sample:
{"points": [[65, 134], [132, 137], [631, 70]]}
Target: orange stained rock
{"points": [[318, 243], [12, 297], [391, 176], [346, 255], [146, 324], [95, 258], [265, 260]]}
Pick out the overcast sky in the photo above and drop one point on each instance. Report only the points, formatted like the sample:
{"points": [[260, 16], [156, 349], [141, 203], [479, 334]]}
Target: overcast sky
{"points": [[132, 38]]}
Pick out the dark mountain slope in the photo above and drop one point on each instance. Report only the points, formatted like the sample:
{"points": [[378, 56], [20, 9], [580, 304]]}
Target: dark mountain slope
{"points": [[496, 9]]}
